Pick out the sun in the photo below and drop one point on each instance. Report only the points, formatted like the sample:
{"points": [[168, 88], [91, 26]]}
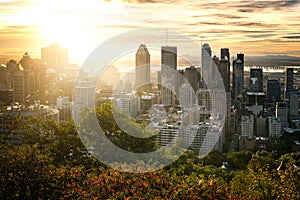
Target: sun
{"points": [[75, 24]]}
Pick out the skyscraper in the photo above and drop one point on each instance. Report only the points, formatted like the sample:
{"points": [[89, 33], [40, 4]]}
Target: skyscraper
{"points": [[142, 68], [238, 75], [192, 74], [256, 80], [223, 69], [289, 82], [273, 90], [55, 56], [225, 56], [168, 74], [206, 71], [24, 81]]}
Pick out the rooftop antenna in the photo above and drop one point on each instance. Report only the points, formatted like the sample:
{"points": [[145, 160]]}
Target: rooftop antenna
{"points": [[167, 36], [201, 39]]}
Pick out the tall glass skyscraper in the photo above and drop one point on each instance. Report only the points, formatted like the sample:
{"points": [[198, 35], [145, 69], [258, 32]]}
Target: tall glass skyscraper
{"points": [[168, 74], [142, 69]]}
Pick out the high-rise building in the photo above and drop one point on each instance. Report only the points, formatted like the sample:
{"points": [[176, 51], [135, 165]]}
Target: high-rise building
{"points": [[274, 90], [223, 71], [167, 134], [225, 58], [241, 57], [261, 126], [256, 80], [282, 114], [225, 54], [289, 83], [186, 95], [247, 124], [206, 64], [294, 105], [142, 69], [24, 81], [55, 56], [192, 74], [85, 94], [168, 74], [127, 102], [274, 127], [238, 76]]}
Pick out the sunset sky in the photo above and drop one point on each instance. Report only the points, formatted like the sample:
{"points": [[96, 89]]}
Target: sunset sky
{"points": [[252, 27]]}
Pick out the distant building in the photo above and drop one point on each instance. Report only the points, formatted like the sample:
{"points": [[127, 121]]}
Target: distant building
{"points": [[168, 75], [282, 114], [289, 82], [142, 69], [247, 124], [24, 81], [186, 95], [192, 75], [110, 76], [127, 102], [274, 127], [55, 56], [224, 68], [84, 94], [261, 127], [294, 105], [256, 80], [203, 137], [238, 76], [206, 70], [274, 90], [211, 137], [167, 134]]}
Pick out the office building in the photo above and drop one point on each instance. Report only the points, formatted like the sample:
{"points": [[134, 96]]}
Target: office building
{"points": [[256, 80], [224, 68], [289, 83], [223, 72], [274, 127], [210, 137], [142, 69], [167, 134], [55, 56], [238, 76], [206, 70], [294, 105], [127, 102], [247, 125], [186, 95], [282, 114], [84, 94], [192, 75], [168, 75], [24, 81], [273, 90]]}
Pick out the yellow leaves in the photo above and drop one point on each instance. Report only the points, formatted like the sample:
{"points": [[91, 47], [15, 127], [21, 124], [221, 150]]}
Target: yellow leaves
{"points": [[145, 183], [211, 183]]}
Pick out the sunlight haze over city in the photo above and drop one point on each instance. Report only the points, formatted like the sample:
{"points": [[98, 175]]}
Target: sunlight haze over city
{"points": [[269, 27]]}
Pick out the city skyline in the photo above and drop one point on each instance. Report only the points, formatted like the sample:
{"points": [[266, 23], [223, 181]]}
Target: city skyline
{"points": [[254, 28]]}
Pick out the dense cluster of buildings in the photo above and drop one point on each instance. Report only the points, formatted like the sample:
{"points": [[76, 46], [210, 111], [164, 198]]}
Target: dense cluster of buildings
{"points": [[206, 106], [37, 87]]}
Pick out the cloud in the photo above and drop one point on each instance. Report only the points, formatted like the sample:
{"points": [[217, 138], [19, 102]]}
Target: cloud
{"points": [[251, 6], [260, 35], [229, 16], [292, 37], [18, 30]]}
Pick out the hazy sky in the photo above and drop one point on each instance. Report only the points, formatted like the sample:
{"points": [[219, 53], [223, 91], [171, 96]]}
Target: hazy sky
{"points": [[252, 27]]}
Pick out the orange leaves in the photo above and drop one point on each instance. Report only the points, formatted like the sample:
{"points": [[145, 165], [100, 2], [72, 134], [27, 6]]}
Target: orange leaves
{"points": [[145, 183]]}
